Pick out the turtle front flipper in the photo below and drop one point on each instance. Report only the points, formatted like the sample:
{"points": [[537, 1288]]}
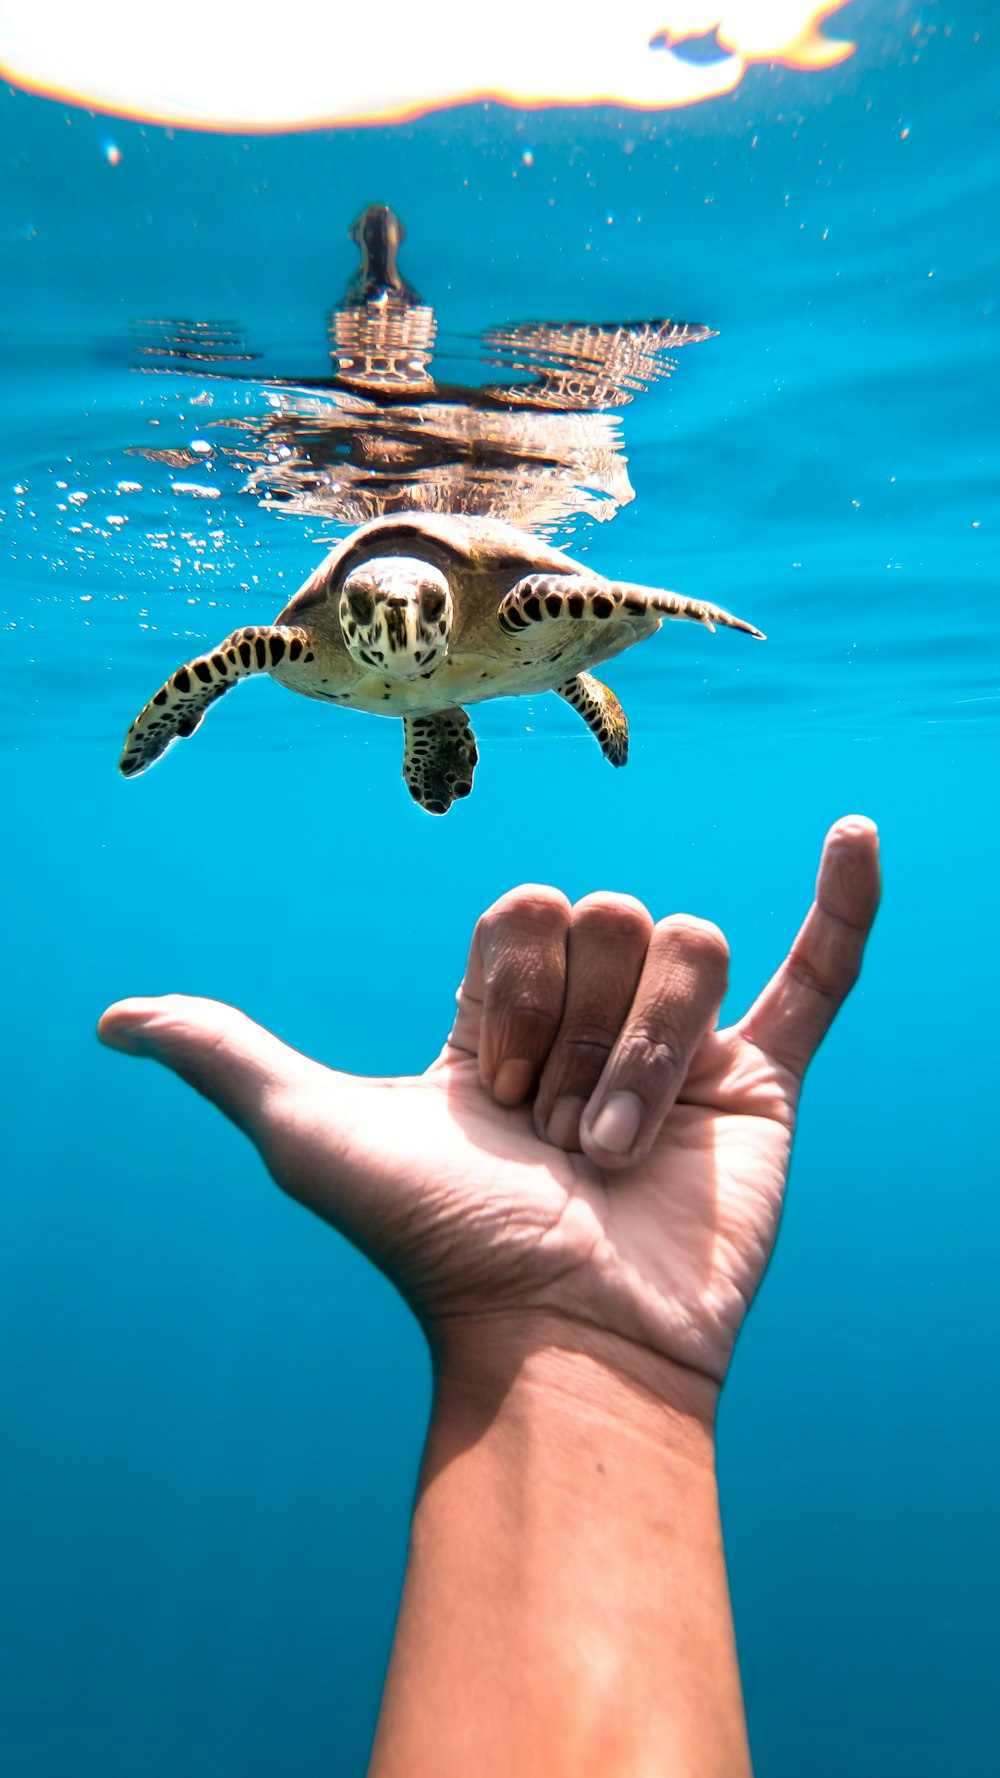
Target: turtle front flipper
{"points": [[540, 598], [180, 704], [439, 758], [602, 713]]}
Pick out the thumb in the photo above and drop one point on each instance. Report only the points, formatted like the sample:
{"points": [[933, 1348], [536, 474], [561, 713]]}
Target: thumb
{"points": [[313, 1127], [232, 1061]]}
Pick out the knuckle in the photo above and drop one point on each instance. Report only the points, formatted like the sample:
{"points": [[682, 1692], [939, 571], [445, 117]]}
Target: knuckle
{"points": [[649, 1051], [524, 1026], [522, 918], [607, 908], [701, 939], [523, 984], [808, 975], [609, 939], [583, 1035], [528, 901]]}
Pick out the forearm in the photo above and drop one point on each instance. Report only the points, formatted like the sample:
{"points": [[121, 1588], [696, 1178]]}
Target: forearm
{"points": [[566, 1609]]}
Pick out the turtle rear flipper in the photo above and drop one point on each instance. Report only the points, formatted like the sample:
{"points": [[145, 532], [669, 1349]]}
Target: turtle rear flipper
{"points": [[179, 706], [602, 713], [439, 758], [545, 598]]}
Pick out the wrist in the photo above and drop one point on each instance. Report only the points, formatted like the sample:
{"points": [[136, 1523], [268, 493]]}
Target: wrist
{"points": [[572, 1371]]}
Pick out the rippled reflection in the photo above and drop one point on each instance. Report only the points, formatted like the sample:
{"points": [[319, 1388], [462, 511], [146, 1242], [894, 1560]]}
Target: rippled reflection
{"points": [[382, 435]]}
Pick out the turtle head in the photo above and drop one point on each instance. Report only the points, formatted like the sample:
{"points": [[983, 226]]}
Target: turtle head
{"points": [[378, 235], [396, 615]]}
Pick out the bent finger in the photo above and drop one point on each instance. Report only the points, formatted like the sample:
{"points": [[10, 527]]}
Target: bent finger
{"points": [[606, 948], [792, 1015], [681, 989], [516, 974]]}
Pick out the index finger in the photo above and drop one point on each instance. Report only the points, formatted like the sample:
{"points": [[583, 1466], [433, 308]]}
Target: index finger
{"points": [[511, 1000], [793, 1014]]}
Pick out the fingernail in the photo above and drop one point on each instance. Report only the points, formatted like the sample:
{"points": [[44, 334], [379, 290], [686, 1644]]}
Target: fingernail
{"points": [[563, 1127], [512, 1080], [617, 1123], [121, 1032]]}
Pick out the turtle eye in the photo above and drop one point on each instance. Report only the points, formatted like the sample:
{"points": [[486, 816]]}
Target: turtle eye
{"points": [[361, 605], [431, 604]]}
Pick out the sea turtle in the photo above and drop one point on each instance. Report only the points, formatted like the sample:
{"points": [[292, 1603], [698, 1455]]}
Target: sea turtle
{"points": [[416, 615]]}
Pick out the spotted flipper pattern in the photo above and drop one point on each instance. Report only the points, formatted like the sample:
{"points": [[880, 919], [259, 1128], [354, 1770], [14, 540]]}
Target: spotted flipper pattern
{"points": [[178, 707], [540, 598], [439, 758], [602, 713]]}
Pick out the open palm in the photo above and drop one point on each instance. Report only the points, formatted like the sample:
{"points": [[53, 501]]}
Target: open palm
{"points": [[587, 1147]]}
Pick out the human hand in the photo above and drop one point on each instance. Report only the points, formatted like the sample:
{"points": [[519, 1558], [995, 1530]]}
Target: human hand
{"points": [[587, 1153]]}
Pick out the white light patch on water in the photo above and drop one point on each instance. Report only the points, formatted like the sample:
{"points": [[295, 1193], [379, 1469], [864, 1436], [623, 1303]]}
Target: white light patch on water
{"points": [[225, 66]]}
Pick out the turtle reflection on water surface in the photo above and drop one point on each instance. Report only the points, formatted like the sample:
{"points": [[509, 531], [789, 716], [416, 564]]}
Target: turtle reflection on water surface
{"points": [[385, 434], [416, 616]]}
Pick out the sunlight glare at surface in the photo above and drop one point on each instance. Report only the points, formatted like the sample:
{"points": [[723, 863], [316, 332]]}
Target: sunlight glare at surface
{"points": [[228, 67]]}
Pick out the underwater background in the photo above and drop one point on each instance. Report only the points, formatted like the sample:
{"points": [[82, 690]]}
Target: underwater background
{"points": [[211, 1408]]}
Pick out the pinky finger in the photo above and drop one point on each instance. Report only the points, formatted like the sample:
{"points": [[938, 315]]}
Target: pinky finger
{"points": [[793, 1014]]}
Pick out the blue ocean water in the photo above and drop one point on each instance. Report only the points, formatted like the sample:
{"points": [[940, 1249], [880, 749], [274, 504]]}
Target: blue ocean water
{"points": [[212, 1408]]}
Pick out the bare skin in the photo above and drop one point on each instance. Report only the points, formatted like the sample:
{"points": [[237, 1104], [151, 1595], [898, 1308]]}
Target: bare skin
{"points": [[579, 1199]]}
